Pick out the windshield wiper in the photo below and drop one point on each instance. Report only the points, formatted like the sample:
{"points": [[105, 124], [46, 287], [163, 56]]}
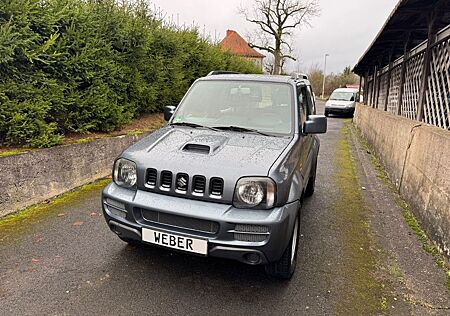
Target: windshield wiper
{"points": [[241, 129], [193, 125]]}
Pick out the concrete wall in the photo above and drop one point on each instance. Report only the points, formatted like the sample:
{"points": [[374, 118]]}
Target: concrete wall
{"points": [[416, 157], [33, 177]]}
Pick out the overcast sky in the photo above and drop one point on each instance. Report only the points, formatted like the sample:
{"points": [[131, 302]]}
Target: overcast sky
{"points": [[344, 28]]}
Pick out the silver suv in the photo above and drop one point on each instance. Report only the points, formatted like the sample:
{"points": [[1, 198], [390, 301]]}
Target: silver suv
{"points": [[226, 176]]}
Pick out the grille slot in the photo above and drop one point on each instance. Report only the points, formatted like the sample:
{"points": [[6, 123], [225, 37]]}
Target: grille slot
{"points": [[188, 223], [216, 187], [152, 177], [251, 233], [199, 184], [166, 179]]}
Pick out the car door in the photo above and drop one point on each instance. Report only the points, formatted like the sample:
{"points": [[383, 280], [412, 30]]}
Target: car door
{"points": [[309, 138], [304, 107]]}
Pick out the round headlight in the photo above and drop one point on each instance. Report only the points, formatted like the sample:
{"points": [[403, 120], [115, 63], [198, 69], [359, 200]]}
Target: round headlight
{"points": [[255, 193], [125, 174], [251, 193]]}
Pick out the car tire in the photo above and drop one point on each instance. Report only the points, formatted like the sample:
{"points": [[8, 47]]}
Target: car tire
{"points": [[326, 113], [285, 267], [309, 191]]}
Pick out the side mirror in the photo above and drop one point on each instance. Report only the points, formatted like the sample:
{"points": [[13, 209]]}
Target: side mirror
{"points": [[316, 124], [168, 112]]}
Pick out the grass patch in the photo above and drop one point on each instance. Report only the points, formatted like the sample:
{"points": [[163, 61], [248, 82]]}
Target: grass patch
{"points": [[12, 224], [13, 152], [136, 132], [367, 295], [409, 217]]}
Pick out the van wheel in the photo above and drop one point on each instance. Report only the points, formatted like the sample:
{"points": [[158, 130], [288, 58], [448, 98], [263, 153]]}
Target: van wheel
{"points": [[311, 182], [285, 267], [326, 113]]}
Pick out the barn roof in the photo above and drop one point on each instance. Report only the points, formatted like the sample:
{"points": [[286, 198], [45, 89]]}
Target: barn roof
{"points": [[410, 18], [235, 44]]}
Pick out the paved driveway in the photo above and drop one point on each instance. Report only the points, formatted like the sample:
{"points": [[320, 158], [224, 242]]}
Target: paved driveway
{"points": [[66, 261]]}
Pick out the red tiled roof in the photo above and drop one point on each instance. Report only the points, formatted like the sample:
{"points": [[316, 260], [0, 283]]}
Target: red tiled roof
{"points": [[234, 43]]}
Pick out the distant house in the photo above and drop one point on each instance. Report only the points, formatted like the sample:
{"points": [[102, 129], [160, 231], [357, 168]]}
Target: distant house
{"points": [[235, 44]]}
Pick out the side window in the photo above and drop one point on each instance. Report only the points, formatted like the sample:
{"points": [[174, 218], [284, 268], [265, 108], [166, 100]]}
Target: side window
{"points": [[302, 103], [311, 103]]}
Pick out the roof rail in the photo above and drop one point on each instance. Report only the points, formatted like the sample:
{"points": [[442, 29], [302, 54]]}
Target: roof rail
{"points": [[298, 76], [223, 72]]}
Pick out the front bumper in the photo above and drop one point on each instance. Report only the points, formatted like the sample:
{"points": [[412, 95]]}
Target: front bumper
{"points": [[339, 109], [218, 223]]}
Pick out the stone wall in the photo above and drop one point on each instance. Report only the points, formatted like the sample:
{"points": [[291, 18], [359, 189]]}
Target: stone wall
{"points": [[35, 176], [416, 157]]}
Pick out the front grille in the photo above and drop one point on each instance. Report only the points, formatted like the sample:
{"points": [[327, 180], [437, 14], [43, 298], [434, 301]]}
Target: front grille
{"points": [[199, 184], [195, 186], [152, 177], [183, 222], [216, 187], [251, 233], [166, 179]]}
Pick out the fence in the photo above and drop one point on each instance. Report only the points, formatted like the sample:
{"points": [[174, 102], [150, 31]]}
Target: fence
{"points": [[402, 88]]}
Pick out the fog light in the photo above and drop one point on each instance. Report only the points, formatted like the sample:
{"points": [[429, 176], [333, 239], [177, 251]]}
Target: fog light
{"points": [[253, 258], [115, 208]]}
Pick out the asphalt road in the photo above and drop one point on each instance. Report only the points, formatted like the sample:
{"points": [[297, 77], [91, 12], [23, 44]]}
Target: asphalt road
{"points": [[68, 262]]}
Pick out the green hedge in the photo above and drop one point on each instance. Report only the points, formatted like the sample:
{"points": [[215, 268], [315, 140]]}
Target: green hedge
{"points": [[92, 65]]}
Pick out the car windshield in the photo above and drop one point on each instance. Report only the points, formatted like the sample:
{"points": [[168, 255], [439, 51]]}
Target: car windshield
{"points": [[342, 96], [258, 106]]}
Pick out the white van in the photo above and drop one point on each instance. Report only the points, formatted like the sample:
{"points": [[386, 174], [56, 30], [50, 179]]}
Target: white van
{"points": [[342, 101]]}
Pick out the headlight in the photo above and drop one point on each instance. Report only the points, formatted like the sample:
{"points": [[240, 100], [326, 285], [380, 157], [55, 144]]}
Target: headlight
{"points": [[124, 174], [254, 192]]}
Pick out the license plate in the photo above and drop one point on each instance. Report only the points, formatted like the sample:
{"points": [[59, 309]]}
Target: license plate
{"points": [[179, 242]]}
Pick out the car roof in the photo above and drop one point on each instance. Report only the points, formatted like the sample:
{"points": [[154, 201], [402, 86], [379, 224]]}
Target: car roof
{"points": [[252, 77], [346, 90]]}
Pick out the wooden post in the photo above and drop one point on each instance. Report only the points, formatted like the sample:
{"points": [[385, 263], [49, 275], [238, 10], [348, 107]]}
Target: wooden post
{"points": [[366, 88], [378, 85], [402, 74], [359, 90], [388, 85], [374, 85], [426, 67]]}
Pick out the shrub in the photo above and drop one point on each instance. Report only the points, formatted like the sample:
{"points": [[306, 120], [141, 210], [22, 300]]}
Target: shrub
{"points": [[82, 66]]}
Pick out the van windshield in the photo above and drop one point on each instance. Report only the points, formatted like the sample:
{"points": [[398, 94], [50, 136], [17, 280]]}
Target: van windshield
{"points": [[343, 96], [261, 106]]}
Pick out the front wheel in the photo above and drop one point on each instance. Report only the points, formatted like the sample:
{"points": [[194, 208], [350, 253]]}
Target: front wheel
{"points": [[285, 267]]}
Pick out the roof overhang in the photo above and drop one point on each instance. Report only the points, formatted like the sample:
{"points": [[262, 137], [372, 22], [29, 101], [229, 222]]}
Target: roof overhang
{"points": [[408, 24]]}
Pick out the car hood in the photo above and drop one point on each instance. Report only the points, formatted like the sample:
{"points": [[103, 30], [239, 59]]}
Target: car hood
{"points": [[225, 154], [339, 103]]}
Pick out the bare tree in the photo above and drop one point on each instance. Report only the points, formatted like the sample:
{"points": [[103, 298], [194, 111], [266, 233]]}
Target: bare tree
{"points": [[277, 19]]}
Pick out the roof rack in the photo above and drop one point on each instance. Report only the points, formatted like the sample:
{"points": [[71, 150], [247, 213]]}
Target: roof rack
{"points": [[223, 72], [298, 76]]}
